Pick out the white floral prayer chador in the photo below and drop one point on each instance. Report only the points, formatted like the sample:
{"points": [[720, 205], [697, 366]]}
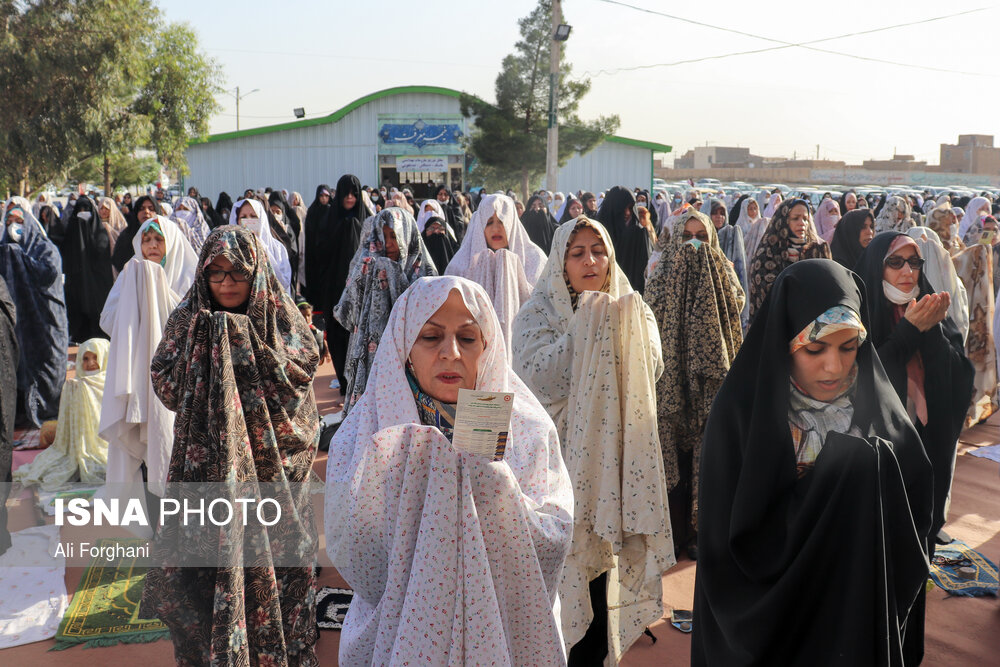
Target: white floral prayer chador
{"points": [[454, 559], [508, 275], [595, 369]]}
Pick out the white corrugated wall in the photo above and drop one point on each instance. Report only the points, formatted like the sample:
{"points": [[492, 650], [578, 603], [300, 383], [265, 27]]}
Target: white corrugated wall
{"points": [[608, 165], [301, 158]]}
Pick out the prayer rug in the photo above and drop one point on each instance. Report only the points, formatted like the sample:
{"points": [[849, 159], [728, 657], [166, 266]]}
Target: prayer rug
{"points": [[992, 452], [331, 607], [961, 570], [105, 608]]}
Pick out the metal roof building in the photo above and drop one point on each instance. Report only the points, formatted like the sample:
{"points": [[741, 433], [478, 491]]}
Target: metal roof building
{"points": [[410, 133]]}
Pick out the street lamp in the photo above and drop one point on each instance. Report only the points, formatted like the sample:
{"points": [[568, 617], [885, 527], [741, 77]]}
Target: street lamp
{"points": [[562, 32], [238, 98]]}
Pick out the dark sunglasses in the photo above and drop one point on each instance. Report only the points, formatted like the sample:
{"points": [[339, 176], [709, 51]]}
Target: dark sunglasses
{"points": [[896, 262]]}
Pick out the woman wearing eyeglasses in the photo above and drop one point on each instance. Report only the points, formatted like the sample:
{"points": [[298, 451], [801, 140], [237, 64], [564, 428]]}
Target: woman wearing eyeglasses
{"points": [[922, 352], [236, 365]]}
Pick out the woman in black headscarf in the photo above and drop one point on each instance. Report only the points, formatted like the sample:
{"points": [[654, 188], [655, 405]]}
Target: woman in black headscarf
{"points": [[145, 207], [734, 212], [438, 243], [922, 351], [452, 210], [632, 243], [539, 224], [315, 221], [853, 234], [285, 227], [328, 259], [223, 206], [211, 215], [589, 202], [87, 265], [8, 404], [572, 209], [815, 502], [643, 198]]}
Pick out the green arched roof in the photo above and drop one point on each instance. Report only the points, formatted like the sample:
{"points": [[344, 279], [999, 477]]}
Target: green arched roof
{"points": [[399, 90]]}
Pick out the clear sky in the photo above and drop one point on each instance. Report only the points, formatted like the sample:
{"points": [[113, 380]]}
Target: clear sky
{"points": [[323, 55]]}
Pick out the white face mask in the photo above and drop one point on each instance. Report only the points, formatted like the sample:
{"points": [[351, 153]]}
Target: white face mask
{"points": [[84, 215], [278, 216], [898, 296], [253, 224], [16, 231]]}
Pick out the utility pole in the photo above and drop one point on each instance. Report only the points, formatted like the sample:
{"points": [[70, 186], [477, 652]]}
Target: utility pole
{"points": [[552, 145], [238, 98], [817, 151]]}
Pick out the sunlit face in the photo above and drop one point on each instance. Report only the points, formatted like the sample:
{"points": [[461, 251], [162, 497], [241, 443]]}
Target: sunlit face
{"points": [[798, 219], [104, 211], [89, 362], [231, 292], [246, 212], [181, 207], [867, 233], [391, 245], [575, 208], [693, 229], [350, 199], [850, 201], [433, 228], [154, 247], [428, 208], [442, 196], [324, 198], [537, 205], [753, 209], [496, 235], [519, 207], [587, 262], [445, 356], [276, 211], [719, 217], [146, 211], [822, 368], [905, 278]]}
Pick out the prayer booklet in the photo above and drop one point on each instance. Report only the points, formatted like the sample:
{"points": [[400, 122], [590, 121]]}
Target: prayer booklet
{"points": [[482, 422]]}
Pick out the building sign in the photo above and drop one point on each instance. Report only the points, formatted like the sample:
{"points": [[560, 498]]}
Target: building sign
{"points": [[411, 163], [428, 134]]}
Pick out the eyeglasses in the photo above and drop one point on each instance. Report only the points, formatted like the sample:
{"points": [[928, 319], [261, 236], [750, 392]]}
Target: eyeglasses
{"points": [[218, 275], [896, 262]]}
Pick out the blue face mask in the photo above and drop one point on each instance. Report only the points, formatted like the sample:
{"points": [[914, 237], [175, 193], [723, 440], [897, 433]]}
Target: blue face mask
{"points": [[695, 242]]}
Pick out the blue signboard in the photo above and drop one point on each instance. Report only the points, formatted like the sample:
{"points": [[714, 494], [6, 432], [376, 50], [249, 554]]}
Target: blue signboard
{"points": [[419, 134]]}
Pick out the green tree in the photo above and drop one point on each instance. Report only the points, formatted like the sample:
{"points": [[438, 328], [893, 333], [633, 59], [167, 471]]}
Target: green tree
{"points": [[125, 170], [509, 141], [86, 78]]}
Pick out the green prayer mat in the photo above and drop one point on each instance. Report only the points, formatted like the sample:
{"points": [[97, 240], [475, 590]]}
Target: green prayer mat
{"points": [[105, 608]]}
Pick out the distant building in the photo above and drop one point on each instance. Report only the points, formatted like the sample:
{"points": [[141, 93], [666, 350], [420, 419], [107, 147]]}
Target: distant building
{"points": [[973, 154], [897, 163]]}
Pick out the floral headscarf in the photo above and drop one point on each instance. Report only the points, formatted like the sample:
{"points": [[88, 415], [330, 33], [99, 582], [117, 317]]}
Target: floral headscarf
{"points": [[777, 249], [241, 385], [374, 284]]}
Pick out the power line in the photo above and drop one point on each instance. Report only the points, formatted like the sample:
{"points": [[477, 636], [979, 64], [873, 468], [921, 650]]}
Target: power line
{"points": [[787, 45]]}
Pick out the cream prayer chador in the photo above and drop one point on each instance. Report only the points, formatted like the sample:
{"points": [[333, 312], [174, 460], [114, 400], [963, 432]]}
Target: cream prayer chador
{"points": [[78, 453], [595, 369], [508, 275], [135, 423], [454, 559]]}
